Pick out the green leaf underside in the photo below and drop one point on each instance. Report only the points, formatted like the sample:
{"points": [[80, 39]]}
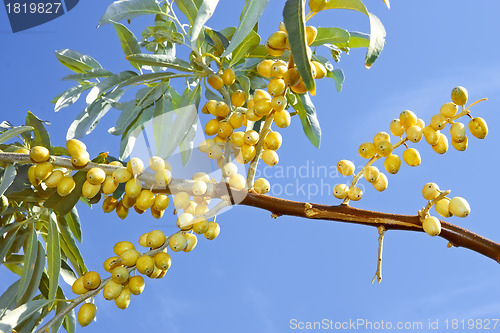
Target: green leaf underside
{"points": [[8, 177], [108, 83], [71, 95], [41, 135], [205, 11], [128, 41], [91, 74], [307, 114], [76, 61], [30, 254], [251, 15], [53, 258], [338, 76], [17, 316], [121, 10], [188, 8], [63, 205], [250, 42], [13, 132], [161, 60], [331, 35], [293, 17]]}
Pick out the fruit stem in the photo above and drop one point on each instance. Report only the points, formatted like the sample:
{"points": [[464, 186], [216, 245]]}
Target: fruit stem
{"points": [[425, 211], [378, 272], [258, 150]]}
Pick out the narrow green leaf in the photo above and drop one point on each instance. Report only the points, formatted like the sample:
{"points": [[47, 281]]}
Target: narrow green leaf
{"points": [[153, 95], [163, 119], [34, 281], [6, 243], [377, 40], [67, 273], [147, 77], [30, 254], [128, 9], [188, 8], [13, 318], [73, 221], [63, 205], [41, 135], [205, 11], [356, 40], [134, 130], [244, 82], [108, 83], [294, 19], [71, 95], [8, 298], [91, 74], [251, 15], [53, 258], [307, 114], [250, 42], [331, 35], [9, 174], [13, 132], [338, 76], [29, 325], [76, 61], [69, 322], [161, 60], [128, 41], [69, 246], [347, 4], [129, 112]]}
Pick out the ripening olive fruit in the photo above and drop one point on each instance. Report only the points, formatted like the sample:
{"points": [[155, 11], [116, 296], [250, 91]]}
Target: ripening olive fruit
{"points": [[381, 137], [236, 120], [238, 98], [282, 118], [264, 67], [311, 33], [432, 226], [145, 200], [277, 40], [459, 95], [392, 163], [199, 187], [460, 146], [248, 152], [182, 200], [109, 185], [449, 109], [111, 290], [39, 154], [156, 163], [177, 242], [407, 118], [459, 207], [236, 139], [340, 191], [345, 167], [319, 70], [89, 191], [75, 147], [384, 148], [80, 159], [191, 242], [262, 186], [66, 186], [251, 115], [382, 183], [430, 191], [262, 108], [163, 260], [396, 128], [136, 284], [91, 280], [478, 127], [414, 133], [215, 81], [442, 207], [272, 51], [86, 314], [228, 76], [31, 176], [457, 132], [317, 5], [200, 226], [273, 140], [237, 181], [185, 221], [212, 231], [109, 204], [276, 87], [54, 179], [96, 176], [78, 286], [155, 239], [300, 87], [354, 193], [111, 263], [221, 109], [121, 210], [43, 170], [145, 265], [119, 274], [122, 247], [270, 157], [161, 202], [121, 175], [438, 122], [291, 77], [163, 177], [135, 166], [367, 150], [371, 173], [129, 257], [412, 157], [431, 135], [133, 188], [123, 300], [442, 145]]}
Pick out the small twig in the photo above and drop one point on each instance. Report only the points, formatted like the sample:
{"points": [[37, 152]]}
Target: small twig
{"points": [[378, 273], [258, 150]]}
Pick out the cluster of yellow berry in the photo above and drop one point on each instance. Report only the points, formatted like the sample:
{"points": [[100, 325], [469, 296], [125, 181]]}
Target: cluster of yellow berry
{"points": [[408, 123], [443, 205]]}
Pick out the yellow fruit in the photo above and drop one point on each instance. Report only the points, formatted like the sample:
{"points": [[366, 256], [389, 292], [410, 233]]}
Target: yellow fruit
{"points": [[291, 77], [163, 261], [89, 191], [345, 167], [384, 148], [39, 154], [340, 191], [109, 204], [414, 133], [129, 257], [215, 81], [221, 109], [262, 186], [123, 300], [66, 186], [354, 193], [264, 67], [442, 146], [300, 87], [135, 166], [478, 127], [115, 163], [212, 127], [457, 132], [54, 179], [432, 226], [412, 157], [381, 137], [212, 231], [199, 187], [191, 242], [155, 239], [145, 265], [43, 170], [225, 129], [460, 146], [238, 98], [371, 174], [438, 122], [143, 240], [119, 274], [237, 139], [367, 150], [157, 214], [112, 290], [459, 207], [382, 183], [251, 115], [320, 70], [31, 176], [182, 200], [392, 164], [251, 137], [161, 202], [156, 163], [91, 280], [459, 95], [407, 118], [80, 159], [75, 147], [185, 221], [109, 185], [136, 284], [276, 87], [270, 157], [237, 181], [163, 177], [277, 40], [443, 207], [200, 209], [86, 314], [228, 76], [78, 286], [229, 169], [317, 5], [262, 107], [311, 33], [248, 152], [420, 123], [431, 135], [127, 201], [121, 210], [145, 200], [278, 70], [96, 176], [133, 188], [111, 263], [211, 107], [121, 175], [205, 144], [177, 242], [430, 191], [200, 226], [156, 273], [273, 140], [273, 52], [236, 120], [122, 247], [449, 109]]}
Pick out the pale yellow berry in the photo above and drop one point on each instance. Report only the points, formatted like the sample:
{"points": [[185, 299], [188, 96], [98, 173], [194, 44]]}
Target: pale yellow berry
{"points": [[39, 154], [81, 159], [199, 187], [412, 157], [430, 191], [392, 163], [200, 226], [262, 186], [354, 193], [443, 207], [264, 67], [459, 95], [414, 133], [201, 176], [345, 167], [136, 284], [238, 98], [212, 231], [478, 127], [340, 191], [91, 280], [251, 137], [96, 176], [133, 188], [185, 221], [449, 109], [129, 257], [457, 132], [120, 274], [407, 118], [442, 146], [396, 128], [380, 137], [135, 166], [89, 191], [78, 287], [156, 163], [109, 185], [54, 178], [431, 135], [177, 242], [145, 200], [161, 202], [191, 242], [86, 314], [382, 183], [229, 170], [270, 157], [123, 300], [371, 173], [66, 186], [420, 123], [43, 171], [438, 122], [432, 226], [273, 140], [145, 265], [317, 5], [384, 148], [122, 246], [163, 261], [75, 147], [237, 181], [282, 118], [111, 290], [278, 70], [155, 239], [111, 263], [367, 150], [459, 207], [460, 146], [214, 152], [121, 175], [182, 200]]}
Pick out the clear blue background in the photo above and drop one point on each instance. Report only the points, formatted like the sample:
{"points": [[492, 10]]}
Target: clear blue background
{"points": [[261, 273]]}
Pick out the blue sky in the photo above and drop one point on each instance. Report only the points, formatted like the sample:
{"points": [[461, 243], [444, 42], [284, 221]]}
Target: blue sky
{"points": [[261, 273]]}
